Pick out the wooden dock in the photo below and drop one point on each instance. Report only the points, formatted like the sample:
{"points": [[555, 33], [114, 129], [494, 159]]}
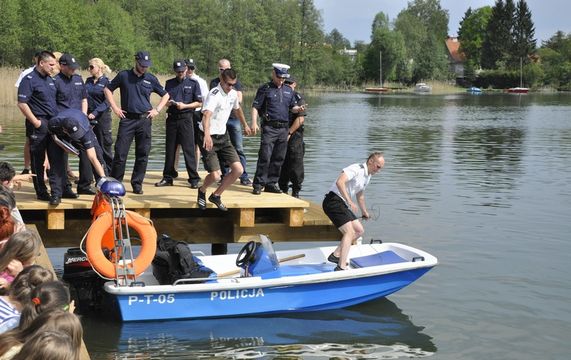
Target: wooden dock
{"points": [[174, 211]]}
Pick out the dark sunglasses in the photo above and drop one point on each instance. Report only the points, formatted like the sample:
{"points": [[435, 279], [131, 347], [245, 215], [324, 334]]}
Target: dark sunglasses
{"points": [[230, 84], [91, 67]]}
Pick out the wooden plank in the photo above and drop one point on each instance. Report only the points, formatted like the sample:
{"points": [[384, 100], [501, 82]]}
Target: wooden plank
{"points": [[247, 217], [283, 232], [44, 261], [294, 217], [55, 219]]}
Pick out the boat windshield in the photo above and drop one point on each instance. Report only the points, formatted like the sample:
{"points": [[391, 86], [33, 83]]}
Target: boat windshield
{"points": [[269, 250]]}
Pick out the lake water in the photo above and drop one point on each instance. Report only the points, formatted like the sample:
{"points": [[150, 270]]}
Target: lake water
{"points": [[481, 182]]}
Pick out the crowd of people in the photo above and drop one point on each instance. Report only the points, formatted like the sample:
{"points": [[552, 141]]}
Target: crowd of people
{"points": [[66, 115]]}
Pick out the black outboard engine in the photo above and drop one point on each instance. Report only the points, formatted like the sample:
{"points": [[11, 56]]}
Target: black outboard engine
{"points": [[86, 287]]}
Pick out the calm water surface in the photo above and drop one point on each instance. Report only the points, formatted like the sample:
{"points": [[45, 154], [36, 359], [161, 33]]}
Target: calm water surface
{"points": [[482, 182]]}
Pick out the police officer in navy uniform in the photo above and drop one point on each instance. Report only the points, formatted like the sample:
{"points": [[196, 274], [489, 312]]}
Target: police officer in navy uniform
{"points": [[292, 169], [98, 110], [73, 126], [136, 114], [272, 103], [37, 101], [185, 97], [72, 94]]}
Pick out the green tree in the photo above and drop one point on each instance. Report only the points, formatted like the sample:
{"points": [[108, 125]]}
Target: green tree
{"points": [[424, 27], [523, 34], [10, 34], [337, 40], [471, 34], [381, 21], [390, 45], [498, 40]]}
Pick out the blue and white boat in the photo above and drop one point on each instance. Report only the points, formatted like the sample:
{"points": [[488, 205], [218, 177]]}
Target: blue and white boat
{"points": [[474, 90], [268, 282]]}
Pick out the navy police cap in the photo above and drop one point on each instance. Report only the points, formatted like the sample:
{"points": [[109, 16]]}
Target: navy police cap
{"points": [[179, 65], [143, 58], [69, 60]]}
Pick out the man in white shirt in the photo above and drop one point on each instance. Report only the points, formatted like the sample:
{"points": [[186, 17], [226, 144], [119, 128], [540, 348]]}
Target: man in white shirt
{"points": [[214, 141], [338, 204]]}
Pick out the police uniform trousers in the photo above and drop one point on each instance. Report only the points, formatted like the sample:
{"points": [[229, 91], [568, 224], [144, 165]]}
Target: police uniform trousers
{"points": [[86, 166], [41, 143], [292, 169], [271, 155], [180, 130], [39, 140], [104, 136], [138, 127]]}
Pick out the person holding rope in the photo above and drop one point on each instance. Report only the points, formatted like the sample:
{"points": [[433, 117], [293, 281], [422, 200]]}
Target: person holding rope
{"points": [[338, 204]]}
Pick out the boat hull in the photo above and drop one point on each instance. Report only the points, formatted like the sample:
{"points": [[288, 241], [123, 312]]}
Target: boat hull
{"points": [[307, 283], [518, 90], [263, 300]]}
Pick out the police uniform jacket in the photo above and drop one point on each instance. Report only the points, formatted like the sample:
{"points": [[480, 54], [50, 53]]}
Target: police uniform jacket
{"points": [[96, 102], [186, 91], [274, 103], [39, 92], [70, 91], [136, 90]]}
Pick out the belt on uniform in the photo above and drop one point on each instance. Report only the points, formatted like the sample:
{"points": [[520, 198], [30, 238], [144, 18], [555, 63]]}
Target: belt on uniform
{"points": [[276, 124], [221, 136], [130, 115], [183, 115]]}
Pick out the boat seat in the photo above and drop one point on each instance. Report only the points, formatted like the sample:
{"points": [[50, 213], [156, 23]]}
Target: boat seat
{"points": [[298, 270], [382, 258]]}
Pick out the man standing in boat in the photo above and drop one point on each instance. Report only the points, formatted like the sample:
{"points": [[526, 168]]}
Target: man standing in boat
{"points": [[338, 204]]}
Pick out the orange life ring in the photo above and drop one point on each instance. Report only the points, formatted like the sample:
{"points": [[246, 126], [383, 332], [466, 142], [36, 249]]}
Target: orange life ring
{"points": [[101, 227]]}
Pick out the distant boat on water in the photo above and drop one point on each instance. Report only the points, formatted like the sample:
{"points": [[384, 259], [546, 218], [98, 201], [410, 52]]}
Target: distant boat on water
{"points": [[422, 88], [519, 89], [474, 90], [376, 90]]}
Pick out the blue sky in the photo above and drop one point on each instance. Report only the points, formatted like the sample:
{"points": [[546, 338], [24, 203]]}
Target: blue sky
{"points": [[353, 18]]}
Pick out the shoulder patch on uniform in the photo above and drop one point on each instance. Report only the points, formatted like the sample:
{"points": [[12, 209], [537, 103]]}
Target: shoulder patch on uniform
{"points": [[214, 92], [361, 166]]}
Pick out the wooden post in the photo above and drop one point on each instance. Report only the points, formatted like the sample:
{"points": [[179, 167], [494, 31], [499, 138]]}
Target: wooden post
{"points": [[295, 217], [55, 218], [247, 217]]}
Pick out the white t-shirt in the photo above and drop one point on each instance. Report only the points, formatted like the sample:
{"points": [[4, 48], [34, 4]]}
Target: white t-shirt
{"points": [[358, 179], [220, 104], [203, 87]]}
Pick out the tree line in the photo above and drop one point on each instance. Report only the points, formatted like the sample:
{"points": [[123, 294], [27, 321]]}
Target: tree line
{"points": [[255, 33]]}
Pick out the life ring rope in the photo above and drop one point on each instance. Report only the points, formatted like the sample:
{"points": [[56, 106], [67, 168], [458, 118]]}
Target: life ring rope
{"points": [[108, 268]]}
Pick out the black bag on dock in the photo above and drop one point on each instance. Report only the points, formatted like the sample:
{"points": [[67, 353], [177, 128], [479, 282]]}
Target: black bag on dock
{"points": [[175, 261]]}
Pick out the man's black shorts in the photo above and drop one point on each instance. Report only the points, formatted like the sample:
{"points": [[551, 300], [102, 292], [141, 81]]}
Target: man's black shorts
{"points": [[336, 209]]}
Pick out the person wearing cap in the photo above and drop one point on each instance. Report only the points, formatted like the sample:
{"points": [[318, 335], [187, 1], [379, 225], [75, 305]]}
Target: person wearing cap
{"points": [[185, 96], [73, 126], [135, 114], [215, 142], [197, 116], [72, 94], [37, 102], [233, 125], [272, 103], [292, 168]]}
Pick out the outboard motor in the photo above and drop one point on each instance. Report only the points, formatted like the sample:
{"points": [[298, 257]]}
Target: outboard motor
{"points": [[258, 258], [86, 287]]}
